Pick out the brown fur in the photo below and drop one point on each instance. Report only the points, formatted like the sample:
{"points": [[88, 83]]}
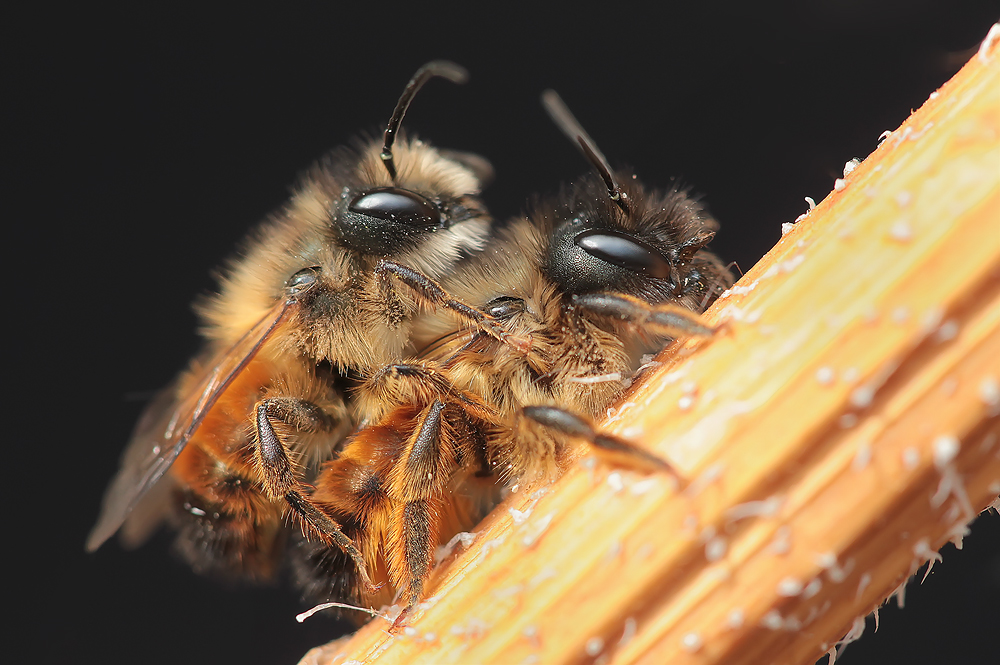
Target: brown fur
{"points": [[437, 441], [359, 323], [484, 383], [231, 501]]}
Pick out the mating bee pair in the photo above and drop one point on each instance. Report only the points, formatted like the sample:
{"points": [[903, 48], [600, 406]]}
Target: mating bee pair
{"points": [[380, 363]]}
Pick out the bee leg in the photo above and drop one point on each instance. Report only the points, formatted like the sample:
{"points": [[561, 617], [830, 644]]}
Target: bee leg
{"points": [[271, 455], [578, 427], [477, 449], [429, 290], [280, 482], [419, 481], [662, 319], [422, 383], [303, 415]]}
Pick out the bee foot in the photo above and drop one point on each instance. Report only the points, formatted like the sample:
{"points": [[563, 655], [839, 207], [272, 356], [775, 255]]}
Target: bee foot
{"points": [[401, 619]]}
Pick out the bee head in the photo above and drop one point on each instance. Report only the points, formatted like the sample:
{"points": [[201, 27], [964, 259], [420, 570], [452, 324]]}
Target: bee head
{"points": [[609, 234], [383, 210]]}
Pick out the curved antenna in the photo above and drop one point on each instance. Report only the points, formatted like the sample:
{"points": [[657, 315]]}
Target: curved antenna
{"points": [[444, 69], [571, 127]]}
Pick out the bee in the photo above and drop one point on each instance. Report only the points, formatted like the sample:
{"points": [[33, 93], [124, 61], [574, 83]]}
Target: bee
{"points": [[584, 284], [225, 452]]}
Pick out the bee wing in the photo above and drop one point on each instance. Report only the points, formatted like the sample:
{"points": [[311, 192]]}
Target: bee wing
{"points": [[169, 422]]}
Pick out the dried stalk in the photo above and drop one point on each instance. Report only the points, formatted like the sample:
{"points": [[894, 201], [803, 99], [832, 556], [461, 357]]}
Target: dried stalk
{"points": [[840, 430]]}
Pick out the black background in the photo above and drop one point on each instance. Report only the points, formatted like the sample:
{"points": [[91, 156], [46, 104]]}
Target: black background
{"points": [[144, 144]]}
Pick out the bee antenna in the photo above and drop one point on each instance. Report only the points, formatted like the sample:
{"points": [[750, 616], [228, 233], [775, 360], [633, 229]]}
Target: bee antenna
{"points": [[571, 127], [444, 69]]}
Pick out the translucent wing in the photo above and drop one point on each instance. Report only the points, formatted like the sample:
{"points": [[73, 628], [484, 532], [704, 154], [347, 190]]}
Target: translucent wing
{"points": [[171, 420]]}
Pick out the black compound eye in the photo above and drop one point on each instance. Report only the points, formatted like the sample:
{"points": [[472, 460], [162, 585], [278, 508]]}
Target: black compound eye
{"points": [[302, 281], [398, 206], [624, 251]]}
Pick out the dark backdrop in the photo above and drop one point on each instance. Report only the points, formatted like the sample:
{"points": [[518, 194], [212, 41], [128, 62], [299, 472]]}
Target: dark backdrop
{"points": [[146, 143]]}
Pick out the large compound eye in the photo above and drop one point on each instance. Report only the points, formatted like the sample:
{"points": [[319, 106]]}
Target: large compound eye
{"points": [[624, 251], [386, 221], [587, 260], [398, 206]]}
